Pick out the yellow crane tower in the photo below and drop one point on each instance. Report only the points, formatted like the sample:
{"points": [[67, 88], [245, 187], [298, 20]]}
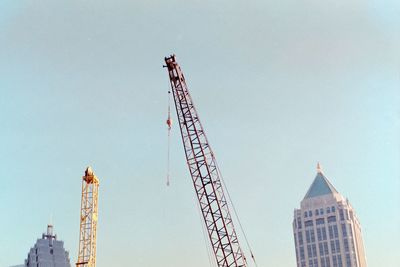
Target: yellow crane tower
{"points": [[88, 220]]}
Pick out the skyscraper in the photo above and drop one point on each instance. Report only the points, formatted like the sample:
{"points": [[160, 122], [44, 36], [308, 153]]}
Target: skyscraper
{"points": [[326, 230], [48, 252]]}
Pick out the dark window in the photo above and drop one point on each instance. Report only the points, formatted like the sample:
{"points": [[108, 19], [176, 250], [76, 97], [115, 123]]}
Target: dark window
{"points": [[330, 232], [331, 219], [300, 238], [319, 234], [312, 236], [335, 230], [299, 223], [346, 244], [320, 221], [337, 246], [344, 231], [333, 249], [302, 253], [341, 214], [308, 223], [321, 249], [324, 233]]}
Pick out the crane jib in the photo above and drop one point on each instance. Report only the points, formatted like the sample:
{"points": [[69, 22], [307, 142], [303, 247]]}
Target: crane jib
{"points": [[204, 173]]}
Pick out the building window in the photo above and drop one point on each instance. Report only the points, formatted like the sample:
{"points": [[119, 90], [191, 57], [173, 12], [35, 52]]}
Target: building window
{"points": [[341, 214], [320, 221], [316, 212], [321, 211], [308, 237], [334, 260], [321, 249], [299, 223], [309, 213], [337, 246], [309, 252], [314, 250], [305, 214], [324, 233], [300, 237], [302, 257], [339, 260], [344, 231], [346, 244], [348, 260], [326, 249], [312, 236], [333, 209], [331, 219], [335, 230], [319, 234], [330, 231], [308, 223], [328, 210]]}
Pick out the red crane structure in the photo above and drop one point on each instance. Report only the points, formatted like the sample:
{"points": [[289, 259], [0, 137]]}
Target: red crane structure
{"points": [[205, 174]]}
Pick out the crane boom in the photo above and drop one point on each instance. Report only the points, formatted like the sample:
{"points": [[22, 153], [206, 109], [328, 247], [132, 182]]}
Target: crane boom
{"points": [[88, 220], [205, 174]]}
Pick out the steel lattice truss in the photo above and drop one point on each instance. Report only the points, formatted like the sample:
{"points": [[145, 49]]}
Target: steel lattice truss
{"points": [[205, 175], [88, 220]]}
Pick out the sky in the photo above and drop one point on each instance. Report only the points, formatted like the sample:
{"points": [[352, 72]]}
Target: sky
{"points": [[279, 86]]}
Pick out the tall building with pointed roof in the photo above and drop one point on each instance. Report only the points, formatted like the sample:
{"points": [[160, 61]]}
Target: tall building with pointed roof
{"points": [[48, 252], [326, 230]]}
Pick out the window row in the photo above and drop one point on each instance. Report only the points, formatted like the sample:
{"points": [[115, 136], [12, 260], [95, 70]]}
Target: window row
{"points": [[320, 211]]}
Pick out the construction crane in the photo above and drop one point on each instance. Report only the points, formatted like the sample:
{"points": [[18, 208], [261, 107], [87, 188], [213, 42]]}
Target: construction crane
{"points": [[205, 174], [88, 220]]}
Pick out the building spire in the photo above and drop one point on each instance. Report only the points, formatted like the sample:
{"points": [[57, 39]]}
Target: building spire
{"points": [[319, 168]]}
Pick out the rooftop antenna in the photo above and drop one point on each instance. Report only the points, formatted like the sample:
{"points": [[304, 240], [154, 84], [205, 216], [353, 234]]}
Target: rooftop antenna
{"points": [[319, 168]]}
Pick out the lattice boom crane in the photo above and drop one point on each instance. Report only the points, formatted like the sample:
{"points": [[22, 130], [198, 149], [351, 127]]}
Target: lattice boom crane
{"points": [[88, 220], [205, 174]]}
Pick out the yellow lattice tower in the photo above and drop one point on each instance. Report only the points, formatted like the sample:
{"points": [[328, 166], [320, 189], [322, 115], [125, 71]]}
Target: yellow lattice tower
{"points": [[88, 224]]}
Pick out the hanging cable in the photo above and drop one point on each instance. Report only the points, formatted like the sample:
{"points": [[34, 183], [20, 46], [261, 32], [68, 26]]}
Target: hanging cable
{"points": [[236, 214], [169, 124]]}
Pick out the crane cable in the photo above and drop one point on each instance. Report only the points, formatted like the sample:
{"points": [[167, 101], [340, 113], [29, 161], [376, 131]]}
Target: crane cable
{"points": [[169, 124], [235, 212]]}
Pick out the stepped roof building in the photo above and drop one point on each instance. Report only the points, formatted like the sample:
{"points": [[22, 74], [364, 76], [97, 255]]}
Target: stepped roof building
{"points": [[48, 252], [326, 230]]}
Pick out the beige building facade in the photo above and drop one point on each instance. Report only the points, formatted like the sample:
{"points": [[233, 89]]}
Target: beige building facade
{"points": [[326, 230]]}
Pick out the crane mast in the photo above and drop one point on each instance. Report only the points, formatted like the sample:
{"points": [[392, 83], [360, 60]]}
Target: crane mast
{"points": [[205, 174], [88, 220]]}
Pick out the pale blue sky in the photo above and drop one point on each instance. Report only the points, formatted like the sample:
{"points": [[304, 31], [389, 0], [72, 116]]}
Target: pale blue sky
{"points": [[279, 85]]}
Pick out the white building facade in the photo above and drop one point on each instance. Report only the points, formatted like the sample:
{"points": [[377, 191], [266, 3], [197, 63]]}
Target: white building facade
{"points": [[326, 230], [48, 252]]}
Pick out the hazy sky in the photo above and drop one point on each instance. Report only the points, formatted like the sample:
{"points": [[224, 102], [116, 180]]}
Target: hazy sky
{"points": [[279, 85]]}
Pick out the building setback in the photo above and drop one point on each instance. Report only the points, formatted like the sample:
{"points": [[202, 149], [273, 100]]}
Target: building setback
{"points": [[48, 252], [326, 230]]}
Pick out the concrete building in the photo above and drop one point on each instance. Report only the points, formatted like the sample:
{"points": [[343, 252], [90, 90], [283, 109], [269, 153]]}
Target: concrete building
{"points": [[326, 230], [48, 252]]}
